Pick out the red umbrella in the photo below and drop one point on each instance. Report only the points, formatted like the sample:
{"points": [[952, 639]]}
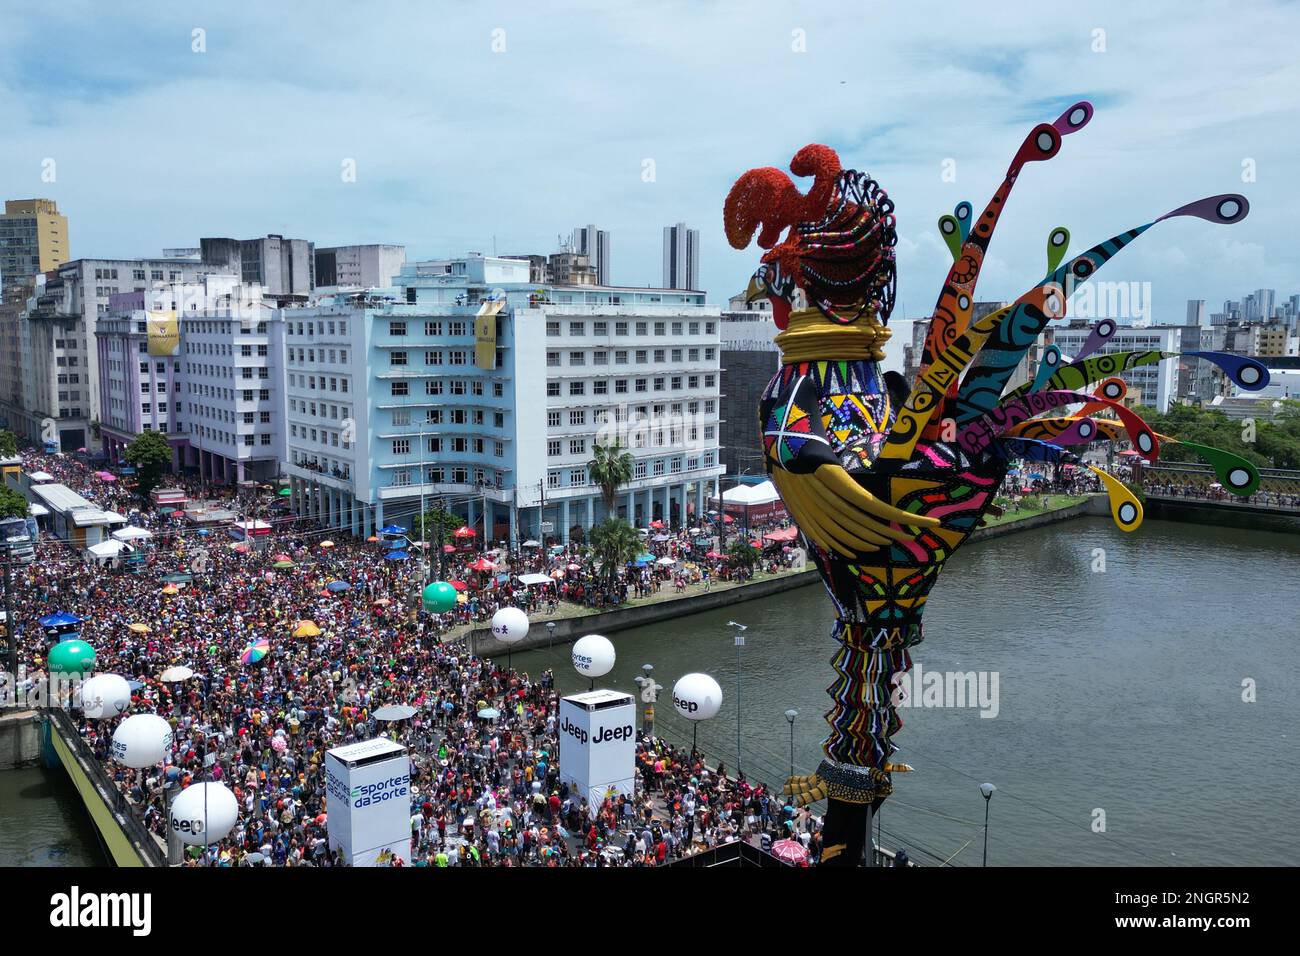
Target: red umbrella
{"points": [[464, 531], [656, 524], [458, 585], [714, 554], [482, 564], [790, 851], [727, 519], [282, 557]]}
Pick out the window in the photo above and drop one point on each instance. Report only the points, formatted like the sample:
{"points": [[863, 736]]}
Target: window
{"points": [[578, 476], [710, 381], [400, 389], [659, 383], [433, 328], [638, 469], [553, 448], [659, 356], [552, 389], [577, 358], [397, 358], [600, 328], [498, 390], [642, 328], [600, 388], [552, 328], [401, 446], [661, 328], [577, 328], [600, 358], [456, 328], [620, 357], [692, 381], [433, 358], [620, 328], [677, 328], [266, 439], [620, 386], [396, 328], [499, 419], [401, 418], [457, 357], [553, 359], [499, 449], [553, 479], [433, 386], [402, 477], [578, 417], [552, 419], [695, 328], [577, 388], [577, 446], [457, 387]]}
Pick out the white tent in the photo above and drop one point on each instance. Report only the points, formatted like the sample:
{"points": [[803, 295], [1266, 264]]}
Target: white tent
{"points": [[763, 493], [531, 579], [131, 534], [106, 549], [114, 518]]}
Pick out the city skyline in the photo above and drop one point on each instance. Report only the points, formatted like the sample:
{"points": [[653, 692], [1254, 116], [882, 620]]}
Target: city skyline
{"points": [[437, 179]]}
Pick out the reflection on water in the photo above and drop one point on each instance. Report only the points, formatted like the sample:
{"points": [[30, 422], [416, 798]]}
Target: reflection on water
{"points": [[43, 823], [1120, 696]]}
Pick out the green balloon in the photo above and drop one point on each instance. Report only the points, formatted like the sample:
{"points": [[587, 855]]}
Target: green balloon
{"points": [[72, 657], [439, 597]]}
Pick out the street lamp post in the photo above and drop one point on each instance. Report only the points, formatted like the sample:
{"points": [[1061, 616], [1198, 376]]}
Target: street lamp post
{"points": [[986, 789], [740, 642], [550, 635], [790, 715]]}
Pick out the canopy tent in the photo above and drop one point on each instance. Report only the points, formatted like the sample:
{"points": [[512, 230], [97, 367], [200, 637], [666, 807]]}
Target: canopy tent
{"points": [[107, 549], [131, 533], [530, 579], [38, 511], [785, 534], [755, 496], [41, 476]]}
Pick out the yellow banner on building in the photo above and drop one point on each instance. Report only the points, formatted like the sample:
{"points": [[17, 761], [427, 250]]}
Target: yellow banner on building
{"points": [[164, 334], [485, 333]]}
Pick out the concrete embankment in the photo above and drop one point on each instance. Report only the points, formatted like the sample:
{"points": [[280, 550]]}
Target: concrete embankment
{"points": [[620, 619]]}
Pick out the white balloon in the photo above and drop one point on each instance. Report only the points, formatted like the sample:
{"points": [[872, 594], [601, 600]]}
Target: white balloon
{"points": [[142, 740], [697, 697], [509, 625], [104, 696], [203, 813], [593, 656]]}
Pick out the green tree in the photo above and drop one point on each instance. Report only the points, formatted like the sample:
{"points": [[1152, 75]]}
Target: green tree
{"points": [[12, 504], [614, 542], [742, 554], [610, 468], [439, 523], [152, 458], [8, 444]]}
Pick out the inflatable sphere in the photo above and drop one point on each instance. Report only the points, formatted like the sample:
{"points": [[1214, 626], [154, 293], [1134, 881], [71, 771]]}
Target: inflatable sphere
{"points": [[439, 597], [142, 740], [509, 625], [203, 813], [71, 657], [697, 697], [105, 696], [593, 656]]}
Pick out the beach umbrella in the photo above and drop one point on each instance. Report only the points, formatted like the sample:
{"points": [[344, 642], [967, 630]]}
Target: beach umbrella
{"points": [[482, 564], [727, 519], [138, 628], [394, 712], [439, 596], [306, 629], [281, 557], [489, 713], [464, 531], [71, 657], [240, 546], [337, 586], [59, 619], [394, 544], [713, 554], [392, 529], [459, 585], [646, 557], [532, 544], [790, 851], [372, 539], [256, 651], [666, 561], [281, 565], [397, 556], [203, 532], [327, 544], [285, 492], [174, 675], [1036, 476]]}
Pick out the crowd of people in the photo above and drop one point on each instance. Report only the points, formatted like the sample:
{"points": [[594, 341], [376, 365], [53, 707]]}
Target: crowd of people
{"points": [[485, 791]]}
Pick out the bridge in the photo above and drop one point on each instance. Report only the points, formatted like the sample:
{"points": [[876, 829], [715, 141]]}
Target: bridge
{"points": [[1194, 484]]}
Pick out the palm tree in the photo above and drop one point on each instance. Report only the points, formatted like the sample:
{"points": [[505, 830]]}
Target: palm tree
{"points": [[614, 542], [611, 467]]}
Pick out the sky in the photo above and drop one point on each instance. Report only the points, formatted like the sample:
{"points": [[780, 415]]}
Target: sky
{"points": [[502, 125]]}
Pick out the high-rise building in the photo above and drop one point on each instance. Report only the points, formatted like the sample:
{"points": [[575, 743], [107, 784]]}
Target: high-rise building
{"points": [[1264, 299], [749, 360], [284, 268], [681, 257], [570, 268], [216, 390], [594, 244], [437, 398], [365, 267], [33, 238], [60, 375], [1196, 314]]}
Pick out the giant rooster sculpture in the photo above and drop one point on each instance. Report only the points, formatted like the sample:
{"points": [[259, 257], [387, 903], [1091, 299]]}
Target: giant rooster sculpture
{"points": [[885, 481]]}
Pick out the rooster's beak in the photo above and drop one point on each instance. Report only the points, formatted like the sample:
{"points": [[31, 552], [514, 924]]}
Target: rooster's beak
{"points": [[755, 290]]}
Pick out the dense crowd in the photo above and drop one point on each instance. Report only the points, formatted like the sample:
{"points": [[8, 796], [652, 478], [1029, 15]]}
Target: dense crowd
{"points": [[486, 791]]}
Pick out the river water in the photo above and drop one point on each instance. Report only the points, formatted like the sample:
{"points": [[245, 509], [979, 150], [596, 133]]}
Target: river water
{"points": [[1120, 702], [1120, 697]]}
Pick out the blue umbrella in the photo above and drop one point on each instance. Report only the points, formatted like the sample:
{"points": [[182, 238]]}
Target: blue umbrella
{"points": [[489, 713], [392, 529], [397, 556], [1035, 476], [1014, 471], [59, 619], [337, 586], [204, 532]]}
